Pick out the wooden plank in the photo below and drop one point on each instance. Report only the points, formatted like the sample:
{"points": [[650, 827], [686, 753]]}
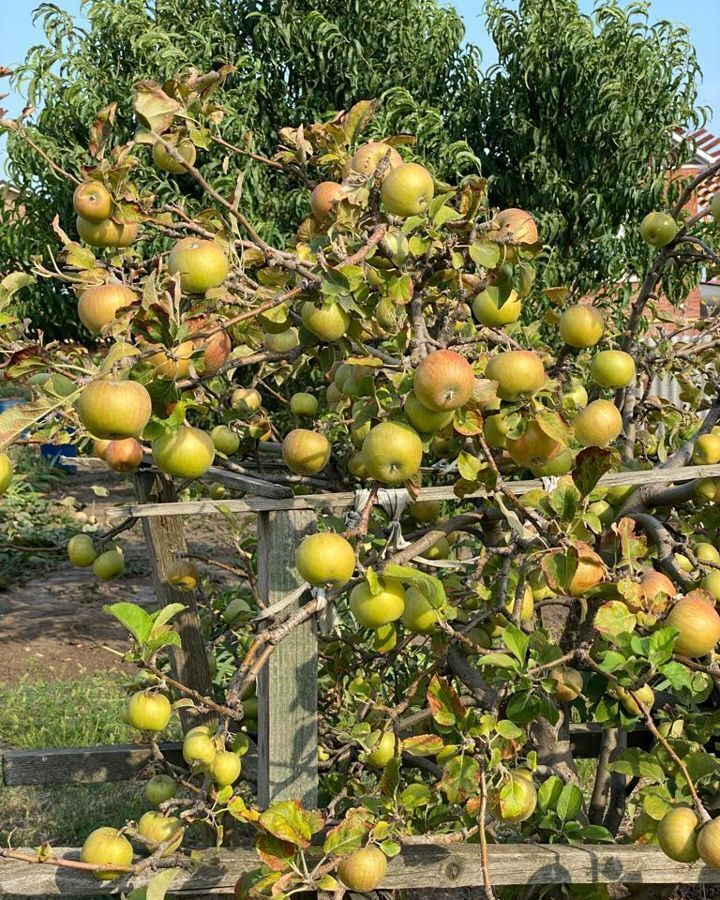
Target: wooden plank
{"points": [[418, 866], [236, 480], [287, 686], [343, 500], [164, 537], [93, 765]]}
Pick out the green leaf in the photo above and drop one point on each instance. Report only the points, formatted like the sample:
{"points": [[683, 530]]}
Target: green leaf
{"points": [[460, 778], [638, 763], [661, 646], [614, 618], [468, 465], [596, 834], [444, 703], [416, 795], [423, 744], [522, 708], [134, 618], [276, 854], [508, 730], [549, 792], [515, 641], [429, 586], [500, 660], [290, 822], [156, 888], [485, 254], [569, 803], [590, 465], [162, 616], [154, 107]]}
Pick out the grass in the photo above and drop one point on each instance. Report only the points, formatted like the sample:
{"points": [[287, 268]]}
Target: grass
{"points": [[48, 714]]}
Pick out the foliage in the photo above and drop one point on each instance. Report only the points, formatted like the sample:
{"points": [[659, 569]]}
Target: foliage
{"points": [[577, 121]]}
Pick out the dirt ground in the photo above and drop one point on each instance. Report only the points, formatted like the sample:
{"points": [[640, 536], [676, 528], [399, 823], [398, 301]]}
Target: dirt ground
{"points": [[53, 623]]}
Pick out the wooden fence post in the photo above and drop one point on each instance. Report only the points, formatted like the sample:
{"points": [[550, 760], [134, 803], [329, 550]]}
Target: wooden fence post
{"points": [[165, 536], [287, 686]]}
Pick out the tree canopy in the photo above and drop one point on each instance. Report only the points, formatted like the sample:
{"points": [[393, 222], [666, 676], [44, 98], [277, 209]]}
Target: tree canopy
{"points": [[575, 122]]}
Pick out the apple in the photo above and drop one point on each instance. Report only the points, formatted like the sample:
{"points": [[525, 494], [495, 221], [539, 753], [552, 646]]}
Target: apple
{"points": [[182, 575], [201, 264], [392, 452], [198, 748], [598, 424], [683, 563], [558, 465], [172, 362], [568, 683], [98, 305], [363, 870], [158, 829], [159, 789], [325, 560], [282, 341], [106, 847], [604, 511], [225, 768], [123, 455], [534, 447], [707, 490], [677, 834], [644, 694], [495, 431], [519, 373], [518, 225], [612, 368], [444, 380], [106, 233], [373, 610], [108, 565], [166, 162], [328, 322], [706, 451], [658, 229], [93, 201], [698, 624], [423, 419], [711, 583], [217, 352], [574, 397], [81, 550], [225, 440], [581, 326], [521, 802], [303, 404], [383, 749], [6, 472], [407, 190], [324, 199], [707, 553], [496, 308], [245, 400], [654, 583], [236, 608], [185, 453], [395, 246], [422, 512], [305, 452], [368, 157], [419, 615], [708, 843], [356, 465], [114, 409], [149, 711]]}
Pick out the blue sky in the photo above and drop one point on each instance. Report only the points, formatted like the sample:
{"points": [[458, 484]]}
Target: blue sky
{"points": [[702, 16]]}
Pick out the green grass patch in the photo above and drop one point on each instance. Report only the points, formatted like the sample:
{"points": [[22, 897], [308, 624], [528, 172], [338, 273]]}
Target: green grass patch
{"points": [[42, 714]]}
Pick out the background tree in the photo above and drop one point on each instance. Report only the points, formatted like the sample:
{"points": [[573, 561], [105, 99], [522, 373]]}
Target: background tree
{"points": [[576, 121]]}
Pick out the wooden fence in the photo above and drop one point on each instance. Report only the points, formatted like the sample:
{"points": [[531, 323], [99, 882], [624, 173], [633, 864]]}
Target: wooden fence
{"points": [[284, 765]]}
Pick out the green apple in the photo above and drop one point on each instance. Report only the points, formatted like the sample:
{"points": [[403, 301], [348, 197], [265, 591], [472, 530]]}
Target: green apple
{"points": [[658, 229]]}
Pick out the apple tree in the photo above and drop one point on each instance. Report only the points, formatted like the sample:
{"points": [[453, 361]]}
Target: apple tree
{"points": [[382, 348]]}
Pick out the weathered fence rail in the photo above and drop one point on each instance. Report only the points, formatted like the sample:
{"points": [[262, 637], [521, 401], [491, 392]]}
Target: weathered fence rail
{"points": [[418, 866]]}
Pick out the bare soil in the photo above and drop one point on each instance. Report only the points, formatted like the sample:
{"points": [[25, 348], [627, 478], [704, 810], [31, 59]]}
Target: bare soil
{"points": [[53, 623]]}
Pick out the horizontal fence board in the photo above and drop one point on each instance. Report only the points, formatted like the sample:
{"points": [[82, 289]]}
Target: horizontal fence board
{"points": [[417, 866], [123, 762], [343, 500], [92, 765]]}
